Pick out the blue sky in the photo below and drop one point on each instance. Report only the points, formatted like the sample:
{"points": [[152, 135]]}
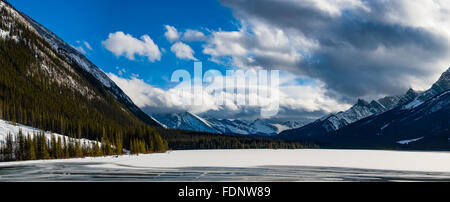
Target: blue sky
{"points": [[92, 21], [330, 53]]}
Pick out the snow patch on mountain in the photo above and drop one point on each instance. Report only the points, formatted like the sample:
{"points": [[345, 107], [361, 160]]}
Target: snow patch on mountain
{"points": [[3, 33], [385, 126], [415, 103], [409, 141]]}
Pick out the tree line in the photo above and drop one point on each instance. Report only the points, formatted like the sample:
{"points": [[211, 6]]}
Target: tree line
{"points": [[183, 140], [35, 146], [39, 146]]}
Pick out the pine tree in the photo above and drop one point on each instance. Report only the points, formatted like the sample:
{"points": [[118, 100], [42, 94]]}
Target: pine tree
{"points": [[118, 145], [53, 147], [19, 151], [30, 151], [78, 149], [66, 148], [8, 151], [59, 149], [43, 149], [97, 150]]}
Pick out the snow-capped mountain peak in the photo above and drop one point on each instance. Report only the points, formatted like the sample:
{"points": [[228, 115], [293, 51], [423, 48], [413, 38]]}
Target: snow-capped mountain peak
{"points": [[442, 85], [185, 121], [193, 122]]}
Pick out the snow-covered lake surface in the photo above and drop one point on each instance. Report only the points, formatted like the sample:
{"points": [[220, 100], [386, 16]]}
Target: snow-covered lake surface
{"points": [[241, 165]]}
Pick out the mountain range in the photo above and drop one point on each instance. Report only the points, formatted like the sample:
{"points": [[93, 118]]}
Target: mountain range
{"points": [[419, 120], [193, 122], [402, 121]]}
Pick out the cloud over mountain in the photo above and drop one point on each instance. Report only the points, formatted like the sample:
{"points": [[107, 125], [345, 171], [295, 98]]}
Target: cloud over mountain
{"points": [[295, 101], [357, 48]]}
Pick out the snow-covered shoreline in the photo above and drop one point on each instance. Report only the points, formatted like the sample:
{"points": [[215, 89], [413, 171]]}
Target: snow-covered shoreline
{"points": [[7, 127], [361, 159]]}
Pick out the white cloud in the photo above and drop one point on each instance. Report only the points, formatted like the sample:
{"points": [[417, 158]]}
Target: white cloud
{"points": [[122, 44], [258, 46], [171, 33], [193, 35], [87, 45], [226, 44], [156, 100], [307, 100], [183, 51]]}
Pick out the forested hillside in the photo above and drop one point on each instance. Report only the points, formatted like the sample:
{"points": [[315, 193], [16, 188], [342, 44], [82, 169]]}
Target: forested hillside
{"points": [[40, 88]]}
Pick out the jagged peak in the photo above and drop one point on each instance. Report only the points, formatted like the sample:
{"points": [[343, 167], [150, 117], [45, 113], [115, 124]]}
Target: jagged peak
{"points": [[442, 84], [445, 76], [411, 93], [361, 102]]}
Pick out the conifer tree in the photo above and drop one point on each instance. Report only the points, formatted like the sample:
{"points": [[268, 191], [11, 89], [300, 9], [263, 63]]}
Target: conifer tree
{"points": [[78, 149], [66, 148], [59, 150], [8, 150], [43, 150], [53, 147]]}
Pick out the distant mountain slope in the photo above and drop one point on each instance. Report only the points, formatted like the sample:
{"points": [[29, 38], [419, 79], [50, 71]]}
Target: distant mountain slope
{"points": [[78, 60], [426, 126], [360, 110], [185, 121], [264, 127], [189, 121], [420, 121], [443, 84]]}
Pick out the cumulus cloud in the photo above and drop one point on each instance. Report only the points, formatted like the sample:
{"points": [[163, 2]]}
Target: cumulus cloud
{"points": [[171, 33], [122, 44], [305, 101], [183, 51], [193, 35], [356, 48]]}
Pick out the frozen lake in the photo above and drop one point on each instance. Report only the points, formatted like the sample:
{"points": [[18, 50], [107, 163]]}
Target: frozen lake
{"points": [[241, 165]]}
